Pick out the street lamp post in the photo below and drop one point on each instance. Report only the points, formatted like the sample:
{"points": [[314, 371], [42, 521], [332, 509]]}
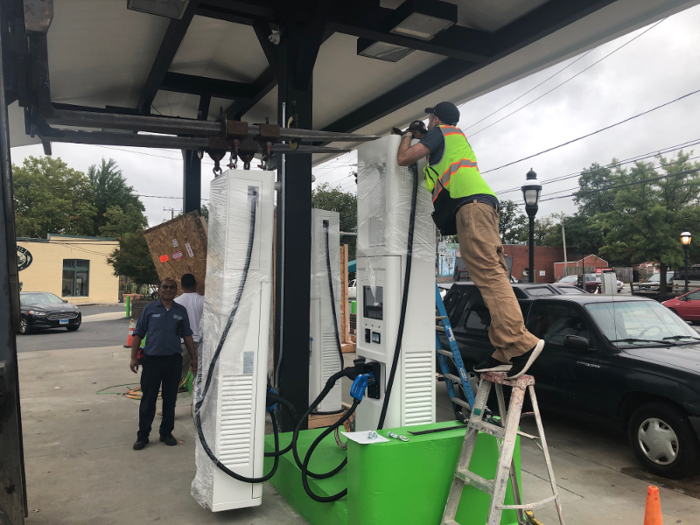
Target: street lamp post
{"points": [[531, 196], [685, 239]]}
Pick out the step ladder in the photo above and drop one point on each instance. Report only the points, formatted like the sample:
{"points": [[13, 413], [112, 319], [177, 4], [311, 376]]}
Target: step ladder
{"points": [[506, 437], [452, 381]]}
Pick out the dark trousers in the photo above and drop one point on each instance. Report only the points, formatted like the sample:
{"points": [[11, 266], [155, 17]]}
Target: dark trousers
{"points": [[154, 372]]}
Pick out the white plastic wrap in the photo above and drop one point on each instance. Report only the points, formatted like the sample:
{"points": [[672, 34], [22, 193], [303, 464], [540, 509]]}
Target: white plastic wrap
{"points": [[384, 194], [232, 414], [325, 328]]}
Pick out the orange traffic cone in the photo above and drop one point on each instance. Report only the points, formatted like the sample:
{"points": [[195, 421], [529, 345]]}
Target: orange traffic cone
{"points": [[652, 516], [132, 327]]}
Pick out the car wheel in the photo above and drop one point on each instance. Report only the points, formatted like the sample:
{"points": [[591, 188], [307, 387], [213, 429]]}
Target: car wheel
{"points": [[664, 441], [72, 328], [24, 328]]}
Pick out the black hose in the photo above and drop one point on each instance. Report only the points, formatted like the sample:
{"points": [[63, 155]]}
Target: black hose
{"points": [[404, 299], [293, 412], [253, 197], [327, 388], [307, 458]]}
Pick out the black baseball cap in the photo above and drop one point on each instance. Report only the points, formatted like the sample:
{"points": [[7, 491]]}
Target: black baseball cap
{"points": [[445, 111]]}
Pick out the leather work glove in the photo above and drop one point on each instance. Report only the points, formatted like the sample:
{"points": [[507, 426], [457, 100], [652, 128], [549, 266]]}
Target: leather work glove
{"points": [[417, 129]]}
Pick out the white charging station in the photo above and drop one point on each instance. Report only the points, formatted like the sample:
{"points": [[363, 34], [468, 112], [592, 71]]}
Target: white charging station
{"points": [[233, 412], [325, 358], [384, 192]]}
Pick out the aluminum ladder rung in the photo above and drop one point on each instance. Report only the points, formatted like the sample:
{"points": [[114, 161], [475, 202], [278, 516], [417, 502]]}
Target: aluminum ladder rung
{"points": [[453, 378], [488, 428], [440, 329], [529, 506], [461, 403], [445, 353], [483, 484], [505, 469]]}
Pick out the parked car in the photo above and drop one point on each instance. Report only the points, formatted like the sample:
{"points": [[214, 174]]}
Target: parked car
{"points": [[654, 282], [628, 362], [569, 279], [591, 282], [687, 306], [41, 310], [352, 289]]}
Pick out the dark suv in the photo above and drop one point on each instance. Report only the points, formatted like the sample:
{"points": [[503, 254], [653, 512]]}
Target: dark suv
{"points": [[630, 362]]}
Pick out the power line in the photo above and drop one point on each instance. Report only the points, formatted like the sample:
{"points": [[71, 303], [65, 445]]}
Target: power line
{"points": [[596, 132], [629, 160], [59, 188], [528, 91], [566, 81]]}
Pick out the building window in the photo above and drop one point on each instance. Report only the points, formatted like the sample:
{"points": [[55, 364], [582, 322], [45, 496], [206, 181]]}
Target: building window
{"points": [[76, 276]]}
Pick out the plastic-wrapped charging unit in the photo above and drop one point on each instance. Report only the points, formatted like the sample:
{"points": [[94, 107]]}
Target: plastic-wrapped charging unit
{"points": [[326, 355], [230, 388], [395, 288]]}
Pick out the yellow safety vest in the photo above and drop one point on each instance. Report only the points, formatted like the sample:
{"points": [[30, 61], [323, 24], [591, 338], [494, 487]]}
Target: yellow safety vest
{"points": [[457, 172]]}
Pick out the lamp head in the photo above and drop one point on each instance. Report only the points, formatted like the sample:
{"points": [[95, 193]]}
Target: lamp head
{"points": [[686, 238]]}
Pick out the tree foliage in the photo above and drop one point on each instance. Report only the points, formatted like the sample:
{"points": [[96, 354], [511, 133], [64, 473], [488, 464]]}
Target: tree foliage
{"points": [[132, 259], [650, 211], [50, 197], [513, 223], [325, 197], [121, 223], [109, 189]]}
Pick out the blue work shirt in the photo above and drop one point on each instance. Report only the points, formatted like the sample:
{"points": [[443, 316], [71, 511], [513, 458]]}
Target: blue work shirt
{"points": [[164, 328]]}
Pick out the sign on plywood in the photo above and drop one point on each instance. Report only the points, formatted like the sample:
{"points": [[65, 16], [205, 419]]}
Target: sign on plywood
{"points": [[165, 243]]}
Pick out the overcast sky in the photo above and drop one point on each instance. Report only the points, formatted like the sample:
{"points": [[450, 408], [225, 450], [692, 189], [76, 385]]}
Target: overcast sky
{"points": [[657, 67]]}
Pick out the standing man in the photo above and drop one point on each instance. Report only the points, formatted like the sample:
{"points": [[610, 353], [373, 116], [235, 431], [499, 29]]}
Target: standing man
{"points": [[194, 304], [164, 322], [465, 205]]}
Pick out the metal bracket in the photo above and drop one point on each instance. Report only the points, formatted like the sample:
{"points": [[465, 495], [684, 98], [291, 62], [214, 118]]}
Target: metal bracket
{"points": [[3, 386]]}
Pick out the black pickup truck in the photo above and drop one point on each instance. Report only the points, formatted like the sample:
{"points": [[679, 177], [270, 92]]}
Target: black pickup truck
{"points": [[627, 361]]}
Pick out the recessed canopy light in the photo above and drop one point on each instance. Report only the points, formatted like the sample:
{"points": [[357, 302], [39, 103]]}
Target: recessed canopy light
{"points": [[381, 50], [166, 8]]}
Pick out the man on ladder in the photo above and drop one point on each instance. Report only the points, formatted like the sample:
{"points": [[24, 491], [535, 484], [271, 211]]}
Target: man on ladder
{"points": [[466, 206]]}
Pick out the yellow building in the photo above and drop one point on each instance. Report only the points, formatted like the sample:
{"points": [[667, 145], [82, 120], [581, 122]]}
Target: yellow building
{"points": [[74, 268]]}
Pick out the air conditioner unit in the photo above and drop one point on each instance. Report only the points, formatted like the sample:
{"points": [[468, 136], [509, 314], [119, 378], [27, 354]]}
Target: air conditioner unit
{"points": [[325, 323], [384, 193], [239, 277]]}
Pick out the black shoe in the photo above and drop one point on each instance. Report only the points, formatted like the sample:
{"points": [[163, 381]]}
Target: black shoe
{"points": [[169, 440], [522, 363], [140, 444], [492, 365]]}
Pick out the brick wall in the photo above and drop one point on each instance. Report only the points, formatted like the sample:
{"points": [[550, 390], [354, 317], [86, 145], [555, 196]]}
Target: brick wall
{"points": [[545, 257], [589, 263]]}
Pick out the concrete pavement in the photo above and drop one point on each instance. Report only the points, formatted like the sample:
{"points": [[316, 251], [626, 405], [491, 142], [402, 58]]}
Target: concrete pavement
{"points": [[81, 468]]}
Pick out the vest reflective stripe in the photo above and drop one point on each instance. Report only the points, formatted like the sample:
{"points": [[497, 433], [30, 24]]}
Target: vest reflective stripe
{"points": [[458, 170], [443, 182]]}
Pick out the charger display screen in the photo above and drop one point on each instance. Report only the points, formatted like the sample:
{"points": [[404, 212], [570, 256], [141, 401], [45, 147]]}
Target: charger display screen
{"points": [[373, 303]]}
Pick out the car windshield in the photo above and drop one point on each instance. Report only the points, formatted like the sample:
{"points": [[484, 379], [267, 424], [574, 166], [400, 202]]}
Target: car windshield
{"points": [[657, 277], [39, 298], [640, 323], [569, 279]]}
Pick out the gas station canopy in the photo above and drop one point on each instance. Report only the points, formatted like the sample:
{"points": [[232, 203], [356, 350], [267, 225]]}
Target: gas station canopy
{"points": [[375, 64]]}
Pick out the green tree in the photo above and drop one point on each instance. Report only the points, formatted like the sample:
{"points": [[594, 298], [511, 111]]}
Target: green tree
{"points": [[121, 223], [109, 188], [50, 197], [204, 212], [592, 198], [547, 231], [583, 236], [513, 223], [133, 259], [649, 214], [325, 197]]}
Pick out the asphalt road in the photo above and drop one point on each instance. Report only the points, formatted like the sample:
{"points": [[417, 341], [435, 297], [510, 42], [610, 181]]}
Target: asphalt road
{"points": [[101, 326]]}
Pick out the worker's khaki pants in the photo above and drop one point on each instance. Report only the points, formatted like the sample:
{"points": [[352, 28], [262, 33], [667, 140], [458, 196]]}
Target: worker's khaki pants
{"points": [[482, 252]]}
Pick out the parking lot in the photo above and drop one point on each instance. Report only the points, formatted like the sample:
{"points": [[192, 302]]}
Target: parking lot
{"points": [[81, 469]]}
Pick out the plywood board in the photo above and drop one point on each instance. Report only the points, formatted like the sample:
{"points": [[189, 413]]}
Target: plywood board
{"points": [[179, 246]]}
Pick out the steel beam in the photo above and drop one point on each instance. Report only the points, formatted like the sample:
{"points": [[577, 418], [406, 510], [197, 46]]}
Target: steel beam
{"points": [[214, 87], [191, 181], [168, 48], [13, 496], [292, 288]]}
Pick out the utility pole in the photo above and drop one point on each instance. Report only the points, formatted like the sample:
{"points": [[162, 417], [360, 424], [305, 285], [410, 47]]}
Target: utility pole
{"points": [[563, 240], [172, 212]]}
